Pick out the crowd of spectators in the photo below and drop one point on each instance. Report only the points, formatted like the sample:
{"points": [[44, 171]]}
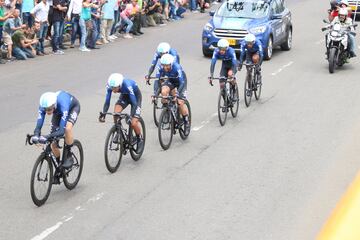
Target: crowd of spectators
{"points": [[25, 25]]}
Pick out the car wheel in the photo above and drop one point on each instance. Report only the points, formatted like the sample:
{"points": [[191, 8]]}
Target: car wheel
{"points": [[206, 52], [286, 46], [269, 49]]}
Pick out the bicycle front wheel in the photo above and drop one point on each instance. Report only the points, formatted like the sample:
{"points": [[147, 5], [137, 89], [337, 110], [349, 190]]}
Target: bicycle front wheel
{"points": [[182, 128], [41, 180], [157, 108], [72, 176], [258, 85], [113, 149], [234, 96], [248, 91], [165, 129], [134, 151], [222, 107]]}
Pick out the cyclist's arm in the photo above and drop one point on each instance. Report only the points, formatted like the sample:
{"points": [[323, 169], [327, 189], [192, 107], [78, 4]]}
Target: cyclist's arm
{"points": [[181, 80], [153, 64], [62, 125], [261, 52], [242, 53], [213, 62], [132, 96], [107, 100], [234, 61], [40, 122]]}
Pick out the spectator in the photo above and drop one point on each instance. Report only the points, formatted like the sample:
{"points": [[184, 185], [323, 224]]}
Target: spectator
{"points": [[59, 11], [75, 8], [85, 24], [10, 26], [26, 7], [116, 19], [31, 36], [10, 5], [136, 29], [165, 8], [50, 19], [22, 50], [107, 20], [3, 17], [96, 19], [127, 14], [40, 13], [154, 16]]}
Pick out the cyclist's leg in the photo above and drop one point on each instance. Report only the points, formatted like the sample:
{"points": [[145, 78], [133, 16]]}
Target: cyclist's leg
{"points": [[135, 114], [223, 73], [257, 61], [165, 89], [120, 105], [55, 120], [73, 115]]}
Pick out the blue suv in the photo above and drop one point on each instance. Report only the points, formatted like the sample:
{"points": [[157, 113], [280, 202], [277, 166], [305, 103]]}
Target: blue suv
{"points": [[268, 20]]}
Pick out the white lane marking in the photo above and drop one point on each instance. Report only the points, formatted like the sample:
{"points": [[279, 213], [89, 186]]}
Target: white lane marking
{"points": [[203, 123], [320, 41], [67, 218], [282, 68], [47, 232]]}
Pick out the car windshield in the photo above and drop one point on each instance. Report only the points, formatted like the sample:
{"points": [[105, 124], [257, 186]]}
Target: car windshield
{"points": [[243, 9]]}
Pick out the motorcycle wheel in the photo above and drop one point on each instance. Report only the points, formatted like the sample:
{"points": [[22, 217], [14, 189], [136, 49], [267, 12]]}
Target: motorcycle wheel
{"points": [[332, 60]]}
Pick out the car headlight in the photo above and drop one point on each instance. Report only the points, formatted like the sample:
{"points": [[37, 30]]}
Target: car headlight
{"points": [[208, 27], [258, 30]]}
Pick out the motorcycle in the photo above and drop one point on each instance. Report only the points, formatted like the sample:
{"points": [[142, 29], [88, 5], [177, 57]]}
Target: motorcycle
{"points": [[337, 44]]}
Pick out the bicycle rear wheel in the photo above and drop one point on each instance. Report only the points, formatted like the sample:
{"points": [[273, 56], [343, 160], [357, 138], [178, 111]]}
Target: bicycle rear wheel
{"points": [[113, 149], [222, 107], [248, 91], [166, 129], [257, 92], [157, 108], [41, 180], [72, 176], [182, 128], [234, 96], [133, 148]]}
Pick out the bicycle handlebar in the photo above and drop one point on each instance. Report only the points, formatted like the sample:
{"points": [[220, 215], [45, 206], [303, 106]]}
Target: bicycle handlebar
{"points": [[169, 97], [49, 140]]}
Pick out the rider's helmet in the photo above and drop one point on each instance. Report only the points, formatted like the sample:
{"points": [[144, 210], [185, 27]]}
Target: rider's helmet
{"points": [[250, 38], [223, 44], [115, 80], [167, 59], [48, 100], [343, 13], [163, 48], [344, 2]]}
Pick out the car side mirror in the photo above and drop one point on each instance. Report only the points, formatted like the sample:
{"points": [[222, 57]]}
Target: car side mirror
{"points": [[212, 13]]}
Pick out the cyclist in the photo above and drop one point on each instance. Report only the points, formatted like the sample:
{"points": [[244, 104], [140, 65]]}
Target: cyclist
{"points": [[163, 48], [129, 94], [251, 49], [65, 110], [175, 84], [229, 61]]}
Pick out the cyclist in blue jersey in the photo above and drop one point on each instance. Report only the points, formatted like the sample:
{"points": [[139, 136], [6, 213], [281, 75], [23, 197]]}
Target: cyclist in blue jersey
{"points": [[129, 94], [175, 85], [65, 110], [229, 61], [252, 51], [163, 48]]}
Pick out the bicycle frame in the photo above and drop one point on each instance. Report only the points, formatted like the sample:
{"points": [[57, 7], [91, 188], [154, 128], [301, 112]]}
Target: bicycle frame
{"points": [[173, 107]]}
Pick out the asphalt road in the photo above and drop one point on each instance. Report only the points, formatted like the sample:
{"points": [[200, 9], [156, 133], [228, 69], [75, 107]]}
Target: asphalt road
{"points": [[275, 172]]}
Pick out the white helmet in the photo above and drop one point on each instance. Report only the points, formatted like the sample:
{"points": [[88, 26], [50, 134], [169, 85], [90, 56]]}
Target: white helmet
{"points": [[115, 80], [163, 47], [345, 2], [223, 43], [167, 59], [48, 99], [343, 11], [250, 38]]}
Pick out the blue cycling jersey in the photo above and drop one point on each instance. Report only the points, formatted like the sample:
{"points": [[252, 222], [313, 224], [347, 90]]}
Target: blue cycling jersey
{"points": [[175, 75], [64, 103], [229, 57], [157, 56], [128, 87], [256, 48]]}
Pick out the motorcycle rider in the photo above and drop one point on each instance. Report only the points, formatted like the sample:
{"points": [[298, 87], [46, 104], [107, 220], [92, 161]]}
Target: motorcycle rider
{"points": [[346, 23], [336, 5]]}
